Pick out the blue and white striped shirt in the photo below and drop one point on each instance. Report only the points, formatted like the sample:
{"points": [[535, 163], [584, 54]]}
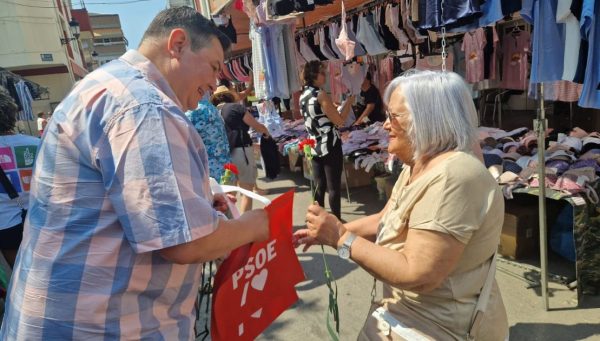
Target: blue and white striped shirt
{"points": [[120, 174]]}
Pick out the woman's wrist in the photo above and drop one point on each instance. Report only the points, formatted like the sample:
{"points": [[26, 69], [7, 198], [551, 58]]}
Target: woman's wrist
{"points": [[341, 235]]}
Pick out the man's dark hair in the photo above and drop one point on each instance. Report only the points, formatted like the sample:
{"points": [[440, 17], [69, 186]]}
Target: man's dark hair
{"points": [[8, 112], [200, 29]]}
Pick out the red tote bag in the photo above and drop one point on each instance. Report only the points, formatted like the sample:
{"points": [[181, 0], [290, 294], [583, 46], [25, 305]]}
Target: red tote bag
{"points": [[256, 283]]}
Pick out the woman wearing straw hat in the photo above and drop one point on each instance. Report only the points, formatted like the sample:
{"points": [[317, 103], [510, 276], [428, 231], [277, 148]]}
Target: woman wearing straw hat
{"points": [[238, 122]]}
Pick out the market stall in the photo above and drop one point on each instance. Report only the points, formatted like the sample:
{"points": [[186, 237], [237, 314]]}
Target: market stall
{"points": [[500, 48]]}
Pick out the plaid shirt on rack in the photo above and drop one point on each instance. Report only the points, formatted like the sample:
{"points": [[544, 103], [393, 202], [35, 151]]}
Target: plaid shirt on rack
{"points": [[121, 173]]}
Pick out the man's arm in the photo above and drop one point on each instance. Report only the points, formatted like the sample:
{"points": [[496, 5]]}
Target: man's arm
{"points": [[253, 226], [154, 176]]}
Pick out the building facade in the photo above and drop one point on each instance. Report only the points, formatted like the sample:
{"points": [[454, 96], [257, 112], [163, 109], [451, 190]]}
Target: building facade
{"points": [[109, 41], [86, 38], [36, 43]]}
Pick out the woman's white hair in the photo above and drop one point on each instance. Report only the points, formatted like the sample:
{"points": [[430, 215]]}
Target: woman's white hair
{"points": [[443, 117]]}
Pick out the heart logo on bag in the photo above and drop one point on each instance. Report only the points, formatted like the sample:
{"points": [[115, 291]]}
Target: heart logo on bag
{"points": [[259, 281]]}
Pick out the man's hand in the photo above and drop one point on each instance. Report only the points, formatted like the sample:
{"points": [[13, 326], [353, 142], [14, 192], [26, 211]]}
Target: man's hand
{"points": [[220, 201], [258, 219]]}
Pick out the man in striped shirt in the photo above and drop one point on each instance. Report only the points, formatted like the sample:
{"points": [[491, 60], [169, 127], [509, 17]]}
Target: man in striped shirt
{"points": [[121, 213]]}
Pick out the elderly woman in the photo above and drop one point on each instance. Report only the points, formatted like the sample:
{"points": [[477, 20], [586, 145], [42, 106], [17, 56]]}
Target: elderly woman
{"points": [[433, 244]]}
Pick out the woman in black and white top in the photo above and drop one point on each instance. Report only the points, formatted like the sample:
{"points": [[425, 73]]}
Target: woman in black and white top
{"points": [[322, 120]]}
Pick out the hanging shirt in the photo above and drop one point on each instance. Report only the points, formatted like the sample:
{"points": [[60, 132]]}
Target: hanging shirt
{"points": [[336, 86], [566, 91], [26, 101], [324, 47], [353, 76], [434, 63], [514, 68], [548, 44], [367, 35], [459, 58], [590, 30], [491, 13], [456, 13], [259, 72], [17, 156], [473, 43], [278, 62], [572, 38], [291, 64]]}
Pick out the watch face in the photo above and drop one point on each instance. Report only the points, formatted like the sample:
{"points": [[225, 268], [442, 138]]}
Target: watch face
{"points": [[344, 252]]}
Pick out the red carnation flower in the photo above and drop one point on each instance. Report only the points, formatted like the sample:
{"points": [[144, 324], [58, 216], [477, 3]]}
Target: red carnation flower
{"points": [[231, 167]]}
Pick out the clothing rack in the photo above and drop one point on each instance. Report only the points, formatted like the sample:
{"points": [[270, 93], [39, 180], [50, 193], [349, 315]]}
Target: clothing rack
{"points": [[40, 91], [337, 18], [238, 55]]}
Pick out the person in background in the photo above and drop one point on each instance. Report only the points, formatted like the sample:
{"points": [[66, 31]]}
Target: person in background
{"points": [[121, 213], [238, 122], [17, 156], [241, 96], [433, 245], [210, 125], [322, 119], [370, 103], [41, 122]]}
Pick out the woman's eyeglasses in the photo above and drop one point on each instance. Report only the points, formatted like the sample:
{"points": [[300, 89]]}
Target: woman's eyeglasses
{"points": [[391, 117]]}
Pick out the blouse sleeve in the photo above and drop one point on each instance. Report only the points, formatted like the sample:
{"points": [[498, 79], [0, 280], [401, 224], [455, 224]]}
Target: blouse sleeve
{"points": [[454, 203]]}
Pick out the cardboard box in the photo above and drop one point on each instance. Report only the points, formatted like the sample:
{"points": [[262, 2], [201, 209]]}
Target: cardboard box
{"points": [[295, 160], [357, 177], [306, 169], [520, 232]]}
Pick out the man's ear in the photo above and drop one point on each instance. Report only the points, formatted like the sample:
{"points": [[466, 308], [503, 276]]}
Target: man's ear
{"points": [[178, 39]]}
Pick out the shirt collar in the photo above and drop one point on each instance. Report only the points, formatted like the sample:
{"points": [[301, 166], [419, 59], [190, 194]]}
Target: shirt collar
{"points": [[144, 65]]}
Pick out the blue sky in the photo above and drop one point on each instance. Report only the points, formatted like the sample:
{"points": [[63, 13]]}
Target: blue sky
{"points": [[135, 17]]}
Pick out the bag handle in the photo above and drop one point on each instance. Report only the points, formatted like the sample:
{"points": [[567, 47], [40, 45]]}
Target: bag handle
{"points": [[10, 189], [483, 299], [221, 189]]}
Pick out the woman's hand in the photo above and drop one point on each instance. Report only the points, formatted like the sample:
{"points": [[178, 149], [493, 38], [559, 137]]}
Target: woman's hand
{"points": [[220, 201], [323, 228], [302, 237]]}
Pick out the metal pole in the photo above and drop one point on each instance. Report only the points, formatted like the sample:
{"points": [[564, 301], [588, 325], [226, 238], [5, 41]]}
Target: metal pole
{"points": [[346, 175], [571, 115], [540, 125]]}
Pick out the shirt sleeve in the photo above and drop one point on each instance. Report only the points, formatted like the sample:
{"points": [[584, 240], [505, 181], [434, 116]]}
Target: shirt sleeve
{"points": [[154, 168], [587, 15], [451, 205]]}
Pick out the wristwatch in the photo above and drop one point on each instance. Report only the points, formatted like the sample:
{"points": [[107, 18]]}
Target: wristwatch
{"points": [[344, 250]]}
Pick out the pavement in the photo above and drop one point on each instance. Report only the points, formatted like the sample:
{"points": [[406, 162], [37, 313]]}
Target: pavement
{"points": [[528, 320]]}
